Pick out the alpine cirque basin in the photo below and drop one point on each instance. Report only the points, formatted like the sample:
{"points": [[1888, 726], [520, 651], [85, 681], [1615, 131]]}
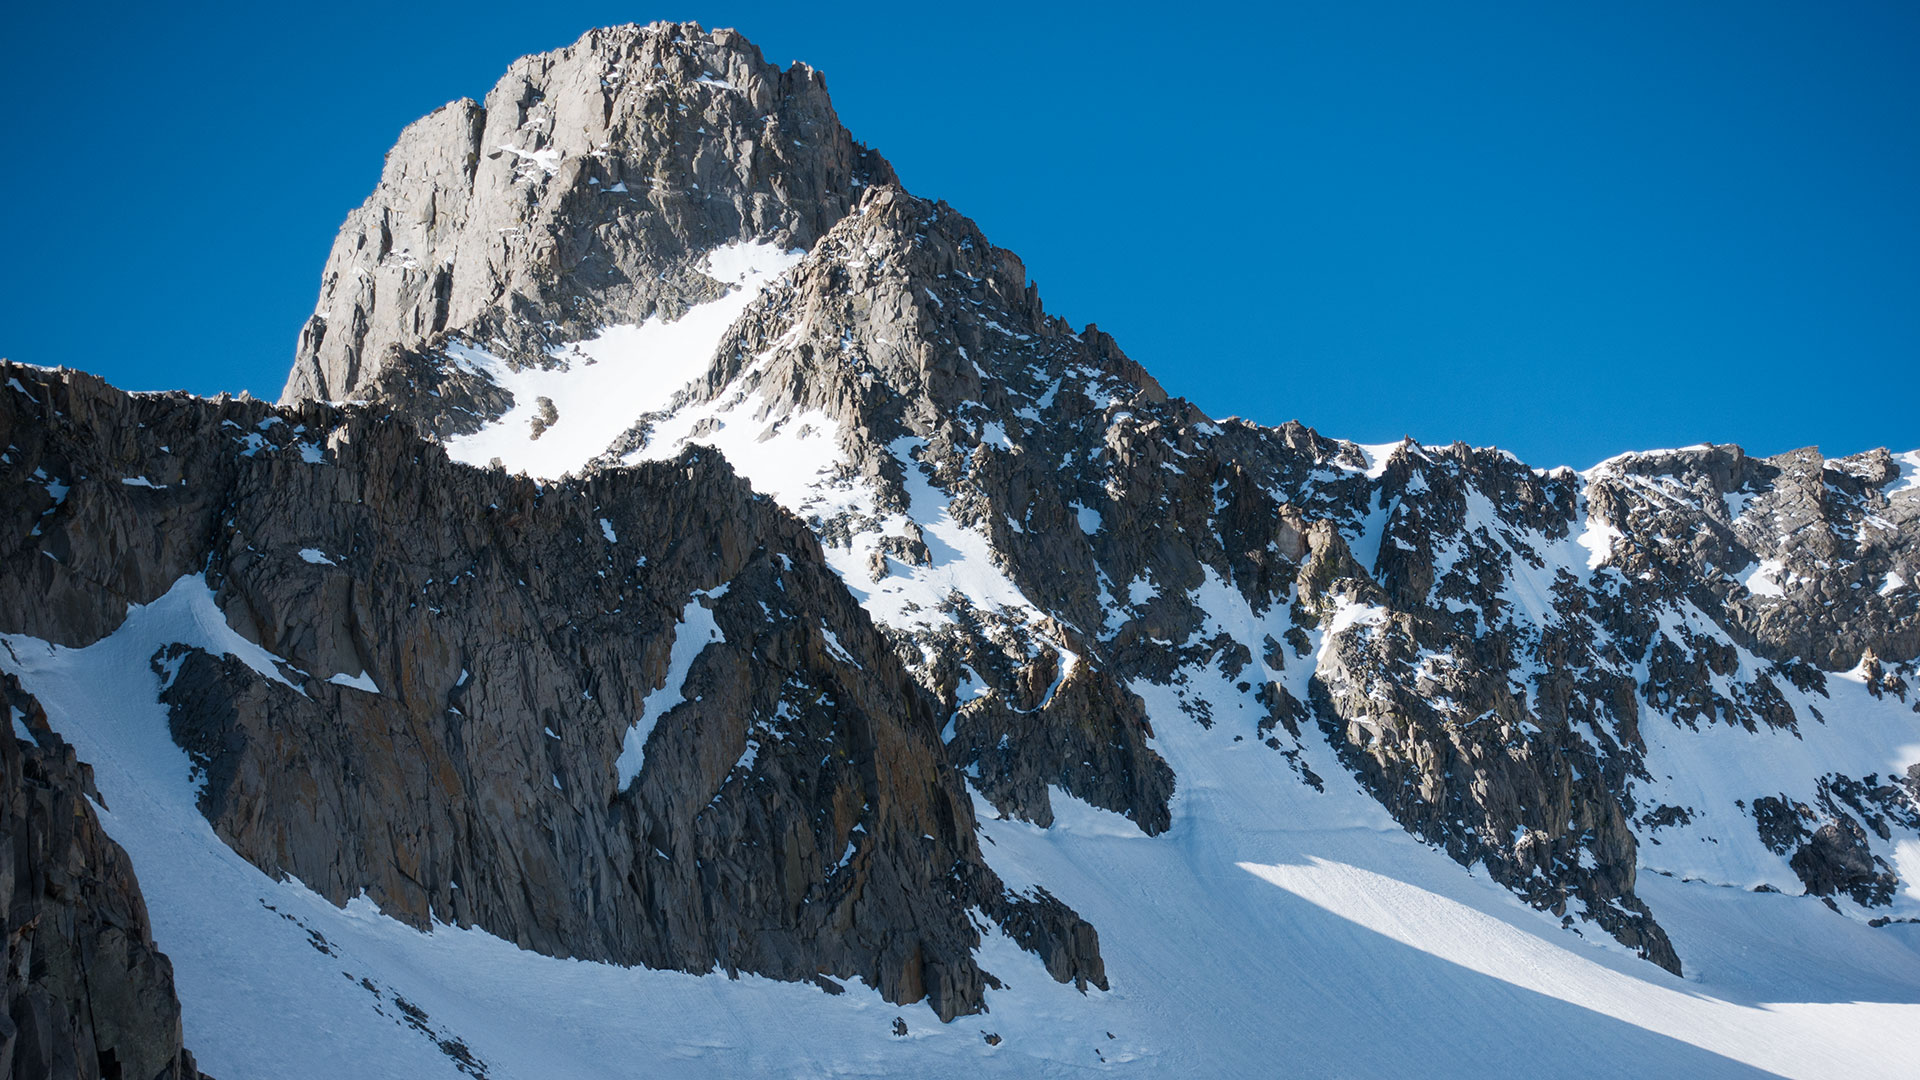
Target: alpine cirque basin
{"points": [[694, 613]]}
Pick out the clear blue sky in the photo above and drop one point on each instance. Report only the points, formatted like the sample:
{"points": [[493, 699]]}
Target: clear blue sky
{"points": [[1566, 229]]}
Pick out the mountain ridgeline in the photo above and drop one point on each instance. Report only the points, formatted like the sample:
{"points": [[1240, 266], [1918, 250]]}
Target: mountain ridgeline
{"points": [[676, 539]]}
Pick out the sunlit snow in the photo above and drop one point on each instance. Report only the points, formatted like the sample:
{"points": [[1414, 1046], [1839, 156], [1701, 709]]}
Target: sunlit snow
{"points": [[601, 386], [1763, 578], [362, 682], [1909, 478], [1272, 929]]}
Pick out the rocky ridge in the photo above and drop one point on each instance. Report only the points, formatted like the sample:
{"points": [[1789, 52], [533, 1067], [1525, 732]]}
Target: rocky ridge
{"points": [[475, 710], [87, 993], [581, 193], [970, 552], [1485, 643]]}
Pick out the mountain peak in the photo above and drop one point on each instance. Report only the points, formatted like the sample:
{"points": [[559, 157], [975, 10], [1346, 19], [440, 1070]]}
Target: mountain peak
{"points": [[585, 191], [729, 564]]}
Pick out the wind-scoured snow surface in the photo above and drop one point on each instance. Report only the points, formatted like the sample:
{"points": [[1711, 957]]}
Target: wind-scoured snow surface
{"points": [[598, 388], [1273, 930]]}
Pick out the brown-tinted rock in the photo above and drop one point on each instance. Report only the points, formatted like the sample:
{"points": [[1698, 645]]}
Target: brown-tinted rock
{"points": [[86, 994]]}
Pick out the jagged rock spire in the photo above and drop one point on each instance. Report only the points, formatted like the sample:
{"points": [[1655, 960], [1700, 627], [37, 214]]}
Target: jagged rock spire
{"points": [[582, 193]]}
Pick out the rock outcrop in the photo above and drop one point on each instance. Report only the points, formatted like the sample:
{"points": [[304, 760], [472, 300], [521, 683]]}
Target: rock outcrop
{"points": [[86, 993], [467, 719], [1484, 644], [720, 689], [583, 192]]}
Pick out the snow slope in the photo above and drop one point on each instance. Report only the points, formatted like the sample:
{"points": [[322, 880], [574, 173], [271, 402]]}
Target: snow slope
{"points": [[600, 386], [695, 631], [797, 461], [1273, 929]]}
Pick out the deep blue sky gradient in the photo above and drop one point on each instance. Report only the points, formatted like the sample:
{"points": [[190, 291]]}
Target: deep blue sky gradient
{"points": [[1566, 229]]}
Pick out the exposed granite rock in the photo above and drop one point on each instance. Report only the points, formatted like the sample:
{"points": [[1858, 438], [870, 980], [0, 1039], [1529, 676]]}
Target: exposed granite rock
{"points": [[904, 323], [86, 993], [1830, 842], [464, 654], [1530, 620], [1496, 653], [1805, 560], [866, 331], [1837, 860], [585, 191]]}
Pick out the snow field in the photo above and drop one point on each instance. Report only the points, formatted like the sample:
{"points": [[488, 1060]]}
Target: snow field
{"points": [[603, 385]]}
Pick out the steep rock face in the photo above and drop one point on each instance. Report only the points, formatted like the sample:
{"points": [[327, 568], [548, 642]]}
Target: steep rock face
{"points": [[1808, 558], [1523, 661], [1117, 516], [1463, 686], [87, 995], [645, 716], [581, 193], [1504, 657], [633, 718], [866, 341]]}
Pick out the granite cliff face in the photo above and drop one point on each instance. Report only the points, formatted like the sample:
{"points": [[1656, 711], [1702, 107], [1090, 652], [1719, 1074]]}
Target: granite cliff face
{"points": [[87, 994], [464, 713], [721, 541], [581, 193], [1040, 528]]}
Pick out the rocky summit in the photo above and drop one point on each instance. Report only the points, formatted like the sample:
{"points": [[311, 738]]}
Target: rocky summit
{"points": [[694, 612]]}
